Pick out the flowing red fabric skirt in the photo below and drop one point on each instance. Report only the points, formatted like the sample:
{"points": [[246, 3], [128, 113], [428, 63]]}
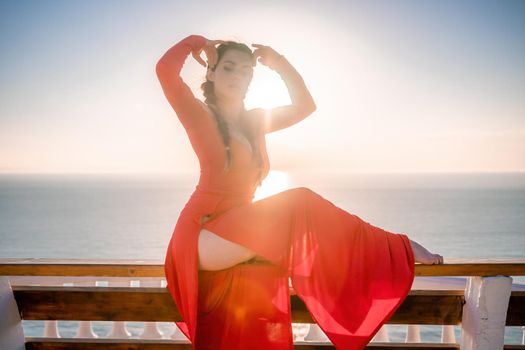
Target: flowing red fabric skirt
{"points": [[351, 275]]}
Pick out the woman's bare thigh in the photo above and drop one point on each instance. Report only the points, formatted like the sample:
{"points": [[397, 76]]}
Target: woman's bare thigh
{"points": [[217, 253]]}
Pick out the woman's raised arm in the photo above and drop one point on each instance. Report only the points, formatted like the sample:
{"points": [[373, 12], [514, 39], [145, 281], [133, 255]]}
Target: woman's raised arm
{"points": [[302, 101], [188, 109]]}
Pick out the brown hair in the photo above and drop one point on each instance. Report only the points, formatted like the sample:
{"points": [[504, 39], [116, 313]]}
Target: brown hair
{"points": [[249, 129]]}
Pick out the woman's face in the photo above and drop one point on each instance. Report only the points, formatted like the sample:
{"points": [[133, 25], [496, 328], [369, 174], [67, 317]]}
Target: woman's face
{"points": [[232, 75]]}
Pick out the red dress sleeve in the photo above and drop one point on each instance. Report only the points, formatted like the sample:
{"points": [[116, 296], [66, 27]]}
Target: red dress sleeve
{"points": [[188, 109]]}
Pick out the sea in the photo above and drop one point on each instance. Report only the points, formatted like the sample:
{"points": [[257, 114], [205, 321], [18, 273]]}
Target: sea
{"points": [[132, 216]]}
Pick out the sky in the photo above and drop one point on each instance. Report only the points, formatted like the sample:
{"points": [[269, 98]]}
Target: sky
{"points": [[404, 86]]}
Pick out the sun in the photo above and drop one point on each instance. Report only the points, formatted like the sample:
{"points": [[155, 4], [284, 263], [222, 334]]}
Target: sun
{"points": [[267, 90], [275, 182]]}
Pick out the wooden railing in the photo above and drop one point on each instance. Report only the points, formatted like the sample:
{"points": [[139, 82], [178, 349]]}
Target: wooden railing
{"points": [[52, 290]]}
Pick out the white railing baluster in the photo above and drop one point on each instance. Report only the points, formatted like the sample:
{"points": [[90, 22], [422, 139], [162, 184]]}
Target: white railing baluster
{"points": [[316, 333], [178, 335], [382, 334], [485, 312], [413, 334], [447, 334], [151, 331], [300, 331], [51, 329]]}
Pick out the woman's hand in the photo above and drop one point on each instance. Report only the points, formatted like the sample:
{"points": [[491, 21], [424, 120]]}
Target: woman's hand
{"points": [[211, 53], [428, 258], [268, 56], [422, 255]]}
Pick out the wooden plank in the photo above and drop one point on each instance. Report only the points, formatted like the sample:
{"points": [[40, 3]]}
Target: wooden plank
{"points": [[516, 309], [38, 343], [156, 304], [155, 268], [444, 307], [96, 303], [45, 343]]}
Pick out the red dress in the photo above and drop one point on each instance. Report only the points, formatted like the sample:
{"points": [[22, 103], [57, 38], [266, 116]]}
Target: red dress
{"points": [[351, 275]]}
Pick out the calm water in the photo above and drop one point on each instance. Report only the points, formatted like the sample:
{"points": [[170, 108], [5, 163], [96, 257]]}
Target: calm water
{"points": [[132, 217]]}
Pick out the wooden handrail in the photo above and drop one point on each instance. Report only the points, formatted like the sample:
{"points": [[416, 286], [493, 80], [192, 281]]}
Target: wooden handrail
{"points": [[155, 268]]}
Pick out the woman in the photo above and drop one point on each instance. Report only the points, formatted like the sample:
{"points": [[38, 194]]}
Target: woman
{"points": [[229, 259]]}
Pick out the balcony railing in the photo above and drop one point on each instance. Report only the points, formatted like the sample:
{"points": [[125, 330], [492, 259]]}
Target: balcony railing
{"points": [[482, 303]]}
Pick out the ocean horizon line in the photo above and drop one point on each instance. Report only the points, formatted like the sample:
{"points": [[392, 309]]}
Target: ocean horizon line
{"points": [[320, 171], [282, 179]]}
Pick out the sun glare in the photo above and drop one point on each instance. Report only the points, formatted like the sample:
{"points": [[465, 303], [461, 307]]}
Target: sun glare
{"points": [[267, 90], [274, 182]]}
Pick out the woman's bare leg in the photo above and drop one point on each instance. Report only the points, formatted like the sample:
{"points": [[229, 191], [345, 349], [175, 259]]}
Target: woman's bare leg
{"points": [[422, 255], [217, 253]]}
